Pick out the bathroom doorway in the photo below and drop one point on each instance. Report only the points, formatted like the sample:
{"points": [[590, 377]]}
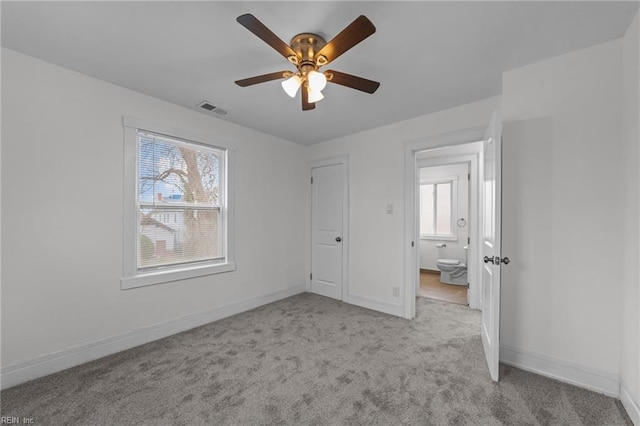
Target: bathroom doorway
{"points": [[444, 231], [448, 221], [482, 147]]}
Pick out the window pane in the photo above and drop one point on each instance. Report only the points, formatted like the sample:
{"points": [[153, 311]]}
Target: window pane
{"points": [[443, 195], [171, 171], [179, 202], [169, 237], [426, 209]]}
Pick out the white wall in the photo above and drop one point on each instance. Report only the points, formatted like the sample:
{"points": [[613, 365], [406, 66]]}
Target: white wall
{"points": [[376, 179], [630, 365], [429, 253], [563, 209], [62, 175]]}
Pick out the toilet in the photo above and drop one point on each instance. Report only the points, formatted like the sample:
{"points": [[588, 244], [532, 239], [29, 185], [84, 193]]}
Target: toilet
{"points": [[453, 271]]}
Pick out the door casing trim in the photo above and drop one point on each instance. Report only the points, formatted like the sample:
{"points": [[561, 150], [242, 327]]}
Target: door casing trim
{"points": [[411, 230]]}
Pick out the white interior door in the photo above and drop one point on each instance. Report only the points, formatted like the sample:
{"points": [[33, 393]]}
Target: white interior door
{"points": [[327, 198], [491, 244]]}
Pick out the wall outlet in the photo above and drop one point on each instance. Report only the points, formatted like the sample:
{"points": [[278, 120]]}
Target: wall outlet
{"points": [[389, 208], [396, 292]]}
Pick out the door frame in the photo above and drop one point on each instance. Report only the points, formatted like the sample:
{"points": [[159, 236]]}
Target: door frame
{"points": [[441, 157], [331, 161], [443, 142]]}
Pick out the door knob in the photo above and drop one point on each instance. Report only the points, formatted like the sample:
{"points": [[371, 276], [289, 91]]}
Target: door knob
{"points": [[496, 260], [338, 239]]}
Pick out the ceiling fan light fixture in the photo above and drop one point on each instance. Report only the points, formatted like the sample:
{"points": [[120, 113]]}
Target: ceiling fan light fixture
{"points": [[314, 95], [309, 52], [291, 85], [317, 80]]}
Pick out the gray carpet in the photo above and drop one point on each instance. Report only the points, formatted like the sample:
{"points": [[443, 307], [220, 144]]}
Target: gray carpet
{"points": [[310, 360]]}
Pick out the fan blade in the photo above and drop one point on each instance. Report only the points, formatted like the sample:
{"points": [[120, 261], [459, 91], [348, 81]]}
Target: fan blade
{"points": [[353, 34], [262, 78], [252, 23], [306, 105], [352, 81]]}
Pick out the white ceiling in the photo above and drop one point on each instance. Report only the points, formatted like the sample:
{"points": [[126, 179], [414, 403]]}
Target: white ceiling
{"points": [[428, 56]]}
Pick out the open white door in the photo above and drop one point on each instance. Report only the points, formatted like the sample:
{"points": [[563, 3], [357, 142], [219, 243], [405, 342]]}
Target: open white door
{"points": [[491, 224]]}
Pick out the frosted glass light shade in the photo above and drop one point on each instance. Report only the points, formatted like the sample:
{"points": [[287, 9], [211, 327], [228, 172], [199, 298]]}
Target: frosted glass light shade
{"points": [[317, 80], [291, 85], [314, 95]]}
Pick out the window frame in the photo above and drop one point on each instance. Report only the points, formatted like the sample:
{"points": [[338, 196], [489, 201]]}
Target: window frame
{"points": [[132, 276], [453, 180]]}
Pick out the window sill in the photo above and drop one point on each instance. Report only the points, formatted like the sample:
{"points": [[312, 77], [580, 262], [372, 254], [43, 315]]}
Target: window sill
{"points": [[439, 237], [174, 275]]}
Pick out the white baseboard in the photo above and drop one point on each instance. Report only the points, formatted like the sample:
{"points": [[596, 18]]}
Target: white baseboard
{"points": [[374, 305], [630, 405], [43, 365], [564, 371]]}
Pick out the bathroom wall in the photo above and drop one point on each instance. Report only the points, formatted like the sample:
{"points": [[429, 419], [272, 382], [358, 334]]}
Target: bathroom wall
{"points": [[429, 253]]}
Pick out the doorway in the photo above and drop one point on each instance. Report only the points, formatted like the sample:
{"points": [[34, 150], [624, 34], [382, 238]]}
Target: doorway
{"points": [[484, 248], [445, 229], [448, 217]]}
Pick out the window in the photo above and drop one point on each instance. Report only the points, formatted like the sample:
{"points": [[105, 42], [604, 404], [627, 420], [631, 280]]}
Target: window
{"points": [[180, 211], [438, 204]]}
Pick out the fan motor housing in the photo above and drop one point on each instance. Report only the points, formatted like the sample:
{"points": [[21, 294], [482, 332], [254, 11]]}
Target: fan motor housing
{"points": [[306, 45]]}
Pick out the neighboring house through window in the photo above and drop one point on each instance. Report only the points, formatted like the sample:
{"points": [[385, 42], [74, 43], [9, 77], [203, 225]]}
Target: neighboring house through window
{"points": [[181, 204]]}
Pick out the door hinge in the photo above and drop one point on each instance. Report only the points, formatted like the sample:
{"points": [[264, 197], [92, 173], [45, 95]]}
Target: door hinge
{"points": [[311, 180], [412, 243], [468, 240], [311, 276], [467, 285], [468, 176]]}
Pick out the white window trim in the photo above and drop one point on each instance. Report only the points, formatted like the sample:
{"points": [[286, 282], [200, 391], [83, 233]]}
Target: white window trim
{"points": [[454, 207], [131, 277]]}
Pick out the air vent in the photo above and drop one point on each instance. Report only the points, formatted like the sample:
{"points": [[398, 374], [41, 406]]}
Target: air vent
{"points": [[207, 106]]}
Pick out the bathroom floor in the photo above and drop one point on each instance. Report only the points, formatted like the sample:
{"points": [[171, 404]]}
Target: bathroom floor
{"points": [[431, 287]]}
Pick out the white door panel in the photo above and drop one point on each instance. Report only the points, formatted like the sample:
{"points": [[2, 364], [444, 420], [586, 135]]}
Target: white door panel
{"points": [[327, 209], [491, 236]]}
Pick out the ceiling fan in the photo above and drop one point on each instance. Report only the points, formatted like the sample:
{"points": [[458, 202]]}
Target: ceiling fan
{"points": [[308, 52]]}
